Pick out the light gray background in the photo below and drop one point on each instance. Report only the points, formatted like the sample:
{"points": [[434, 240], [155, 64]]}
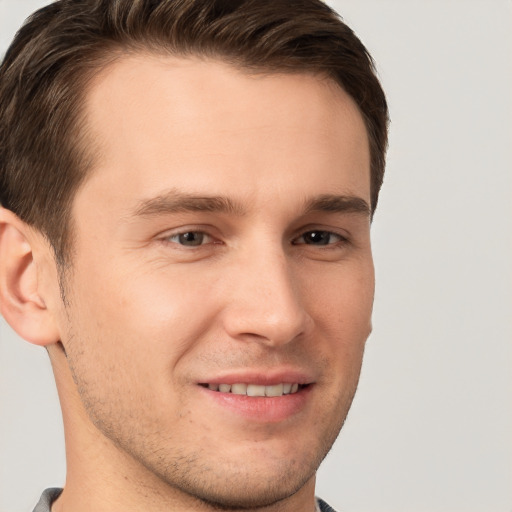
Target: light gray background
{"points": [[431, 426]]}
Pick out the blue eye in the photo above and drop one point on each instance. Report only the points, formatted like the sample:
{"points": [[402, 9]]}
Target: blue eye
{"points": [[319, 238], [190, 238]]}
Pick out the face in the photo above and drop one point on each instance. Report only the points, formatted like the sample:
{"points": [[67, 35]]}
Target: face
{"points": [[222, 281]]}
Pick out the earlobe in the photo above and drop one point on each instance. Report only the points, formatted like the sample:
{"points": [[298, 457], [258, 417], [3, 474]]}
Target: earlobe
{"points": [[21, 302]]}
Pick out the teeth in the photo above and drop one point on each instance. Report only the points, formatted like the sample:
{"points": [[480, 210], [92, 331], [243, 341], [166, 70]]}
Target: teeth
{"points": [[276, 390], [256, 389], [239, 389]]}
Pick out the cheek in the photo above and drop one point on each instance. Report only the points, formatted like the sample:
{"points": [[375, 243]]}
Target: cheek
{"points": [[342, 299], [132, 318], [342, 308]]}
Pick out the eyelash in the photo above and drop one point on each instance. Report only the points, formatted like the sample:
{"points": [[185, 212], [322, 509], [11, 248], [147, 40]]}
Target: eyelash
{"points": [[314, 232], [177, 238], [186, 233]]}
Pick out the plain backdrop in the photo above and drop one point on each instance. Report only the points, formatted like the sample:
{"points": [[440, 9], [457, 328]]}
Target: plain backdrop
{"points": [[431, 426]]}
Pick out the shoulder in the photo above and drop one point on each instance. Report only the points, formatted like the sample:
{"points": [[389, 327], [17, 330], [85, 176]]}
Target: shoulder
{"points": [[47, 498], [323, 506]]}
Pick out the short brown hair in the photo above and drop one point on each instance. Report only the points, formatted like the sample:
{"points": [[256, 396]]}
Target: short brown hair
{"points": [[43, 79]]}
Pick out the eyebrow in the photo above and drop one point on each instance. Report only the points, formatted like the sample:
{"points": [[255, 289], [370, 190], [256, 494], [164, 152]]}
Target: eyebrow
{"points": [[176, 202], [339, 204], [179, 202]]}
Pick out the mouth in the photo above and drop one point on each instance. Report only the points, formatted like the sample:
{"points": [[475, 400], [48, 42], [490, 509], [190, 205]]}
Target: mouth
{"points": [[257, 390], [259, 397]]}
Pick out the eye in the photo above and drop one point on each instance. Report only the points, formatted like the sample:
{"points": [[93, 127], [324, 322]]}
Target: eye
{"points": [[190, 238], [319, 237]]}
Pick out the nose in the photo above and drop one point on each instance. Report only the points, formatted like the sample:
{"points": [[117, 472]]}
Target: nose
{"points": [[265, 303]]}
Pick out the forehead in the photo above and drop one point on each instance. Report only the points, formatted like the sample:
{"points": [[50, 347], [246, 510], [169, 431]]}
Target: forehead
{"points": [[159, 120]]}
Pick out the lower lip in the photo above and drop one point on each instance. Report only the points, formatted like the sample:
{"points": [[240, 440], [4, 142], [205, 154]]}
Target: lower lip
{"points": [[261, 409]]}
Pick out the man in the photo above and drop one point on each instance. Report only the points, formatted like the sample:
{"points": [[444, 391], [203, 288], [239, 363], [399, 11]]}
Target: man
{"points": [[187, 190]]}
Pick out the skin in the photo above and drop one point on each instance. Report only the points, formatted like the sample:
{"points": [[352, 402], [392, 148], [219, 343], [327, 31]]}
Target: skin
{"points": [[149, 317]]}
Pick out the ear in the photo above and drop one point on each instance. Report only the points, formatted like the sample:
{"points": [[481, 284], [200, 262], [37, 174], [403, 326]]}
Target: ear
{"points": [[21, 302]]}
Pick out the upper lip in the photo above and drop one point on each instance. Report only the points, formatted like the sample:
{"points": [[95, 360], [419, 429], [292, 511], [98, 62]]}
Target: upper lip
{"points": [[263, 377]]}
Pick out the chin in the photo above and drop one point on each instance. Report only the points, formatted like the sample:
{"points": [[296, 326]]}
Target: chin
{"points": [[245, 482], [245, 491]]}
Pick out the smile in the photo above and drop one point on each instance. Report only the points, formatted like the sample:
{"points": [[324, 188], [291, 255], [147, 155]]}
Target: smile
{"points": [[256, 389]]}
